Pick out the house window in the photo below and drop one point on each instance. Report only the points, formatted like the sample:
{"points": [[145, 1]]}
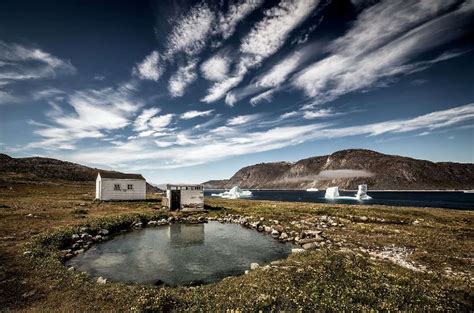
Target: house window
{"points": [[130, 187], [117, 187]]}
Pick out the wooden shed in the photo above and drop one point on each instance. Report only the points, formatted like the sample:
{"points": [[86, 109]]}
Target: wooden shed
{"points": [[120, 186]]}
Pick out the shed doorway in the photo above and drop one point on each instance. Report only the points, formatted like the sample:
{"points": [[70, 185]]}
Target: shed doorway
{"points": [[175, 200]]}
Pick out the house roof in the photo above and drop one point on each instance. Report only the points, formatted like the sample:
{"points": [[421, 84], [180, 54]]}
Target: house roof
{"points": [[182, 185], [118, 175]]}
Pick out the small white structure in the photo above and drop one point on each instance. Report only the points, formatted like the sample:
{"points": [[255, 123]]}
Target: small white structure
{"points": [[332, 193], [184, 197], [234, 193], [120, 186]]}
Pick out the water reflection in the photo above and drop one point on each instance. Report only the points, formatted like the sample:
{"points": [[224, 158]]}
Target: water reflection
{"points": [[186, 235]]}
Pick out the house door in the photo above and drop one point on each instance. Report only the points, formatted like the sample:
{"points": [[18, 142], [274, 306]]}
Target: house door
{"points": [[175, 200]]}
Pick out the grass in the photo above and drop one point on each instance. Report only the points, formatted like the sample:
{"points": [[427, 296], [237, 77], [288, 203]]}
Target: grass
{"points": [[344, 276]]}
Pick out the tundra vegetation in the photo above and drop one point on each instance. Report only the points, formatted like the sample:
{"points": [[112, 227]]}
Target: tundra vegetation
{"points": [[373, 257]]}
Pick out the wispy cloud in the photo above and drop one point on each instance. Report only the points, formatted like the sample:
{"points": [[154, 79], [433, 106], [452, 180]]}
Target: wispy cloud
{"points": [[18, 62], [150, 68], [193, 114], [191, 31], [237, 12], [242, 119], [184, 76], [384, 38], [263, 40], [215, 68]]}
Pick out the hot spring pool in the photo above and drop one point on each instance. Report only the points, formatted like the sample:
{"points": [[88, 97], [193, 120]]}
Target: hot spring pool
{"points": [[180, 254]]}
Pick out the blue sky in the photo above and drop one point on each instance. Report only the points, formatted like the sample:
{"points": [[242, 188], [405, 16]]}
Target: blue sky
{"points": [[186, 91]]}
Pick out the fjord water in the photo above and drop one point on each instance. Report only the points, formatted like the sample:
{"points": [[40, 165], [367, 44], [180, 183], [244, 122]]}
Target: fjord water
{"points": [[180, 254], [434, 199]]}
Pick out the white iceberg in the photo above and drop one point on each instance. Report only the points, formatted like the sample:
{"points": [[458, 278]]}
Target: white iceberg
{"points": [[234, 193], [332, 193], [362, 193]]}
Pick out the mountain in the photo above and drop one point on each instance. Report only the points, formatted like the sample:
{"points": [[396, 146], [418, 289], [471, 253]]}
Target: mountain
{"points": [[47, 170], [349, 168]]}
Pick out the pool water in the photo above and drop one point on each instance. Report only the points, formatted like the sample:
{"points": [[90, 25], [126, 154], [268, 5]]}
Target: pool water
{"points": [[180, 254]]}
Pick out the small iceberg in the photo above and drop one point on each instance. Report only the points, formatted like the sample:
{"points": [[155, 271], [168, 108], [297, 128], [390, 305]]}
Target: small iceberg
{"points": [[362, 193], [333, 193], [312, 189], [234, 193]]}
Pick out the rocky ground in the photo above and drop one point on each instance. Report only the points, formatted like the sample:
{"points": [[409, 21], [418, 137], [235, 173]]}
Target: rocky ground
{"points": [[349, 257]]}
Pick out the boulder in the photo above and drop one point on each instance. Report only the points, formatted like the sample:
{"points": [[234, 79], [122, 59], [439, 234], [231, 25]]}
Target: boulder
{"points": [[310, 246], [283, 236], [297, 250], [103, 232], [310, 240], [75, 237], [279, 228], [254, 266], [101, 280], [275, 233]]}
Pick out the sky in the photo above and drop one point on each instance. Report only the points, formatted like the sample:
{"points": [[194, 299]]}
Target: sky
{"points": [[187, 91]]}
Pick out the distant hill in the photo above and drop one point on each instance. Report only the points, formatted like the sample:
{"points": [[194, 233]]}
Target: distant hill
{"points": [[47, 170], [349, 168]]}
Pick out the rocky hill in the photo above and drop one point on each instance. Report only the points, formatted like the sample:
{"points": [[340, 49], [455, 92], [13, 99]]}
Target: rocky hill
{"points": [[349, 168], [46, 170]]}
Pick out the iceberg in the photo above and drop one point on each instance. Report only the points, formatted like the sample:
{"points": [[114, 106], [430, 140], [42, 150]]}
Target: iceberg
{"points": [[333, 193], [362, 193], [234, 193]]}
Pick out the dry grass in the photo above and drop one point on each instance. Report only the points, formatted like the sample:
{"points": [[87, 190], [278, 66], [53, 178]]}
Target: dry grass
{"points": [[440, 240]]}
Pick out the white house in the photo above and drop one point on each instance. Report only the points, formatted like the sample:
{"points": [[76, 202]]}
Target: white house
{"points": [[119, 186], [184, 197]]}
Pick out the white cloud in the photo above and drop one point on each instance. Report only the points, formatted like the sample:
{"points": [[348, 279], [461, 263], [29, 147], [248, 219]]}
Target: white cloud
{"points": [[141, 122], [237, 12], [183, 77], [263, 40], [264, 96], [158, 123], [309, 115], [215, 68], [18, 63], [150, 67], [242, 119], [191, 31], [289, 114], [192, 114], [382, 41]]}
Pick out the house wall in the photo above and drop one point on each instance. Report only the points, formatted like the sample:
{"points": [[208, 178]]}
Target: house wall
{"points": [[108, 193], [192, 199]]}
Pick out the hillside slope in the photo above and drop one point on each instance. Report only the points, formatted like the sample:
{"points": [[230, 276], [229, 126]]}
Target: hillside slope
{"points": [[349, 168], [47, 170]]}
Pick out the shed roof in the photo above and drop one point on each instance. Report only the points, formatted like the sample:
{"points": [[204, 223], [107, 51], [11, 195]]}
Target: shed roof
{"points": [[118, 175], [182, 185]]}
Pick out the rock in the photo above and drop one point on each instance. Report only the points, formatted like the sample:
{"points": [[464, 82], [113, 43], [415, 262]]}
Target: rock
{"points": [[279, 228], [276, 263], [75, 237], [267, 229], [79, 251], [101, 280], [416, 222], [82, 204], [29, 215], [84, 229], [254, 266], [86, 236], [297, 250], [312, 233], [28, 252], [152, 223], [103, 232], [283, 236], [97, 238], [138, 224], [310, 246], [363, 218], [246, 272], [28, 294], [275, 233], [310, 240], [71, 269]]}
